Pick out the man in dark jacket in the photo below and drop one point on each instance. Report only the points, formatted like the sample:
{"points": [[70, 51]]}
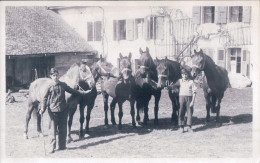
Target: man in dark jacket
{"points": [[55, 101]]}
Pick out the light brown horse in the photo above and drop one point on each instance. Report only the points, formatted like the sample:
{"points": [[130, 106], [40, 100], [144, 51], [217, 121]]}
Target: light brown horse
{"points": [[215, 81], [76, 74]]}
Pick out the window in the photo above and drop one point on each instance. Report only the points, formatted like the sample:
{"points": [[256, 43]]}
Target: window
{"points": [[235, 13], [156, 27], [139, 24], [94, 31], [244, 55], [119, 27], [90, 31], [221, 55], [209, 14]]}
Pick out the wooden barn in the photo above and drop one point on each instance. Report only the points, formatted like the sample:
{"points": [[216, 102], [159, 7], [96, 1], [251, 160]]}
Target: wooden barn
{"points": [[38, 39]]}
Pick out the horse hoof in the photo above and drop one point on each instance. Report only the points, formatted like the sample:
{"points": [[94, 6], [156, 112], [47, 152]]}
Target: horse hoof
{"points": [[119, 127], [25, 136], [40, 135], [87, 131], [133, 125], [138, 119], [156, 122], [69, 140], [106, 122], [113, 123]]}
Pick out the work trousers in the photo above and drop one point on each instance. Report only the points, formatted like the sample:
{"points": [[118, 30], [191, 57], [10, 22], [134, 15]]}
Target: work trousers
{"points": [[58, 124], [185, 107]]}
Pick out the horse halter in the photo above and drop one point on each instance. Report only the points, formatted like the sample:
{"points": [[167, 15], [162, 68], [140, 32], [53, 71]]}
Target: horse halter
{"points": [[103, 70], [202, 67], [88, 76]]}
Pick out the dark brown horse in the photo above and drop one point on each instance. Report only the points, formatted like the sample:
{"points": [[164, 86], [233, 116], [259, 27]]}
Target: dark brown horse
{"points": [[118, 84], [146, 79], [215, 81], [74, 77], [86, 100], [168, 73]]}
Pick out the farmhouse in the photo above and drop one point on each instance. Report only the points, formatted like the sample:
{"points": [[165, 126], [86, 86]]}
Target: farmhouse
{"points": [[38, 39], [223, 32]]}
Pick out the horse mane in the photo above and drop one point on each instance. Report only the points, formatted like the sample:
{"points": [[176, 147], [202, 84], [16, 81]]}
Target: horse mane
{"points": [[174, 67], [209, 59], [69, 77]]}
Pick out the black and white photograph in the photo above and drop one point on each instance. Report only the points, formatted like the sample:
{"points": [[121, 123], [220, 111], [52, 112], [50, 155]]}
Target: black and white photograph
{"points": [[172, 80]]}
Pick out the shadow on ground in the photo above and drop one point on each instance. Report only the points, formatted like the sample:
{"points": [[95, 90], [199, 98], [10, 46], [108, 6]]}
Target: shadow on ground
{"points": [[164, 124]]}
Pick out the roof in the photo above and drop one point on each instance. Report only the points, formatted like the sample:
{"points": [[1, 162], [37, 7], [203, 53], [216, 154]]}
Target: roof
{"points": [[37, 30]]}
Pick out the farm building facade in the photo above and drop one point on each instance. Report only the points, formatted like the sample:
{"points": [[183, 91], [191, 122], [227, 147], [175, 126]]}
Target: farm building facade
{"points": [[36, 40], [223, 32]]}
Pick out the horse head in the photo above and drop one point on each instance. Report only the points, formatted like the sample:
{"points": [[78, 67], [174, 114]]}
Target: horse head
{"points": [[104, 68], [125, 66], [163, 72], [79, 75], [146, 61], [198, 63], [86, 77]]}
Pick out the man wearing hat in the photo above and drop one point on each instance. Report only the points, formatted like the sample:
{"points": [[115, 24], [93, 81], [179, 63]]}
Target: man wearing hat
{"points": [[187, 96], [54, 100]]}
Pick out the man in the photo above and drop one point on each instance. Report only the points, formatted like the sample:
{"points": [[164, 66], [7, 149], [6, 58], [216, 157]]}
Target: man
{"points": [[54, 100]]}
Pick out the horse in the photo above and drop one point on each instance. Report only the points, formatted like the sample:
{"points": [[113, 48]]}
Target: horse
{"points": [[146, 79], [84, 100], [169, 72], [215, 81], [118, 84], [76, 75]]}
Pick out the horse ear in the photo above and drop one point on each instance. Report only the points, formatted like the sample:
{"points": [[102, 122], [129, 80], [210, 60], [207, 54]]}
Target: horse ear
{"points": [[130, 56], [140, 50], [201, 52], [147, 49], [120, 55]]}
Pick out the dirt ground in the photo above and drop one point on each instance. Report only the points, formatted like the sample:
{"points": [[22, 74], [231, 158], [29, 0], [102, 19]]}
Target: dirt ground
{"points": [[232, 139]]}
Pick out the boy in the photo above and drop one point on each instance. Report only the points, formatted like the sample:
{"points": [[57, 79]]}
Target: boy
{"points": [[187, 96], [54, 100]]}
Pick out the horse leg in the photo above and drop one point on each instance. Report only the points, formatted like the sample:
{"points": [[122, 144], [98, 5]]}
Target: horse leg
{"points": [[120, 114], [208, 105], [28, 117], [218, 108], [132, 112], [175, 107], [213, 104], [138, 107], [156, 107], [72, 111], [39, 119], [82, 118], [112, 109], [90, 107], [146, 109], [105, 99]]}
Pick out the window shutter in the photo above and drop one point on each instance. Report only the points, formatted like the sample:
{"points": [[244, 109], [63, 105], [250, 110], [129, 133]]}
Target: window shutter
{"points": [[115, 30], [160, 28], [221, 58], [196, 15], [90, 31], [97, 29], [122, 29], [221, 15], [146, 28], [246, 14], [130, 29]]}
